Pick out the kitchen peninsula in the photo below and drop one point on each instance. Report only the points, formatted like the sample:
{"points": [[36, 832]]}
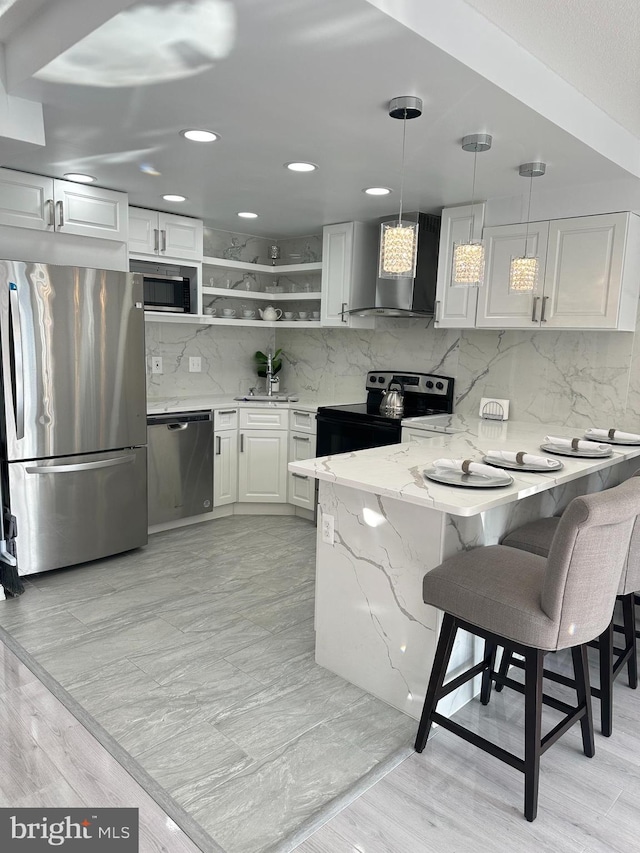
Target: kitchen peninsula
{"points": [[389, 525]]}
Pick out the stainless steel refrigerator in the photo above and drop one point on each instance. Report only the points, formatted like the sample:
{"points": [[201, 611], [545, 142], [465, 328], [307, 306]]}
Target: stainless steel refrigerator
{"points": [[73, 412]]}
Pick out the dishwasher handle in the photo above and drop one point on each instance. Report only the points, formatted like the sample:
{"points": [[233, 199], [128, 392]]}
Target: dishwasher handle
{"points": [[177, 426]]}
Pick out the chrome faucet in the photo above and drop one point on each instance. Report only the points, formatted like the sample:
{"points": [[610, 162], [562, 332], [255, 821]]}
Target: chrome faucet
{"points": [[269, 374]]}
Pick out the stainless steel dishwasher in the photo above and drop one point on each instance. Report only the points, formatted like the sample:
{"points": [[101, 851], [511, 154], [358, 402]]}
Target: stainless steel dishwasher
{"points": [[180, 465]]}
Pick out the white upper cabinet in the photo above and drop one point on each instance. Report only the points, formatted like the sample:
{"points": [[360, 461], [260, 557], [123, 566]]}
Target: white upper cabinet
{"points": [[48, 204], [456, 306], [498, 307], [152, 232], [349, 261], [589, 274]]}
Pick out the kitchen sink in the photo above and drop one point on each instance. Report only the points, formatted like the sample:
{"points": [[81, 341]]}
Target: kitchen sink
{"points": [[265, 398]]}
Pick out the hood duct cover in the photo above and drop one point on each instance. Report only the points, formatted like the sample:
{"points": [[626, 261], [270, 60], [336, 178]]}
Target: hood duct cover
{"points": [[410, 297]]}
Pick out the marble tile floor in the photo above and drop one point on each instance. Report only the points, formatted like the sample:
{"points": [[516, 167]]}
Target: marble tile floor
{"points": [[195, 655], [454, 798]]}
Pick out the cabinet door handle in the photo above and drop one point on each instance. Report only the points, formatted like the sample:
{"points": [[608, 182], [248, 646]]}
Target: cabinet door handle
{"points": [[241, 442], [437, 317], [60, 206], [218, 445], [156, 240], [300, 438], [227, 412], [534, 311], [544, 309], [342, 313], [299, 476], [52, 213], [164, 240]]}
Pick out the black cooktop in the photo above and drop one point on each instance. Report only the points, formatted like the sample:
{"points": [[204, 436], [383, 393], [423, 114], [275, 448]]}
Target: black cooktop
{"points": [[368, 412]]}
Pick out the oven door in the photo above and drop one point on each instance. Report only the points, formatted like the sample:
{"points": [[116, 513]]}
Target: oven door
{"points": [[341, 435]]}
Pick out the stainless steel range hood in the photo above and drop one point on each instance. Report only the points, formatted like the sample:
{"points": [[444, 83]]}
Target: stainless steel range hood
{"points": [[410, 297]]}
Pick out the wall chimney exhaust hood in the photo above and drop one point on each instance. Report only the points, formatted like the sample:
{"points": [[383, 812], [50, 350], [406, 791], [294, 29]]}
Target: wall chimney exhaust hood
{"points": [[410, 297]]}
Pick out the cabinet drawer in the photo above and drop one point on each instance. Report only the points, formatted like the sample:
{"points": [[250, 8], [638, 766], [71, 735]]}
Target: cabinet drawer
{"points": [[302, 421], [263, 418], [225, 419]]}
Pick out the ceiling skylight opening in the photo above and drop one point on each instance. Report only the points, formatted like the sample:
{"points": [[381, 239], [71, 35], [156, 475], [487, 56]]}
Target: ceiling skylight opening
{"points": [[301, 167]]}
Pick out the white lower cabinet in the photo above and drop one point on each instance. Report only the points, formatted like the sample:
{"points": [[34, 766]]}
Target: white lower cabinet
{"points": [[262, 466], [301, 488], [225, 467]]}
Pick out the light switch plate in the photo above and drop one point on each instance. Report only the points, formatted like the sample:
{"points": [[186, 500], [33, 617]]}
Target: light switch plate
{"points": [[156, 364], [195, 364]]}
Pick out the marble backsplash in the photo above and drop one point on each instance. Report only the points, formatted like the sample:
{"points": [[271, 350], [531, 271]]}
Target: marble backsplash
{"points": [[226, 353]]}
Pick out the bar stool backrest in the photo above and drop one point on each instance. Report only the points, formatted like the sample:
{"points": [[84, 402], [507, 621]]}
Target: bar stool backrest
{"points": [[630, 580], [587, 557]]}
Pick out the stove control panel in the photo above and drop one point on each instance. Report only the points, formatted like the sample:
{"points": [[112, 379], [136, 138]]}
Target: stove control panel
{"points": [[414, 383]]}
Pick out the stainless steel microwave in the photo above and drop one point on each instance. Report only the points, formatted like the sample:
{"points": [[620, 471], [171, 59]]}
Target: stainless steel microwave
{"points": [[167, 293]]}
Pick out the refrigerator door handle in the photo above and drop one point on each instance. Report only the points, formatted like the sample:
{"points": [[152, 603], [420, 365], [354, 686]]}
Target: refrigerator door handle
{"points": [[18, 365], [79, 466]]}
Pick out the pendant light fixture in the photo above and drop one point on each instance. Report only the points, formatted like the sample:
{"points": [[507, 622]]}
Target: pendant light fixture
{"points": [[467, 269], [523, 271], [399, 240]]}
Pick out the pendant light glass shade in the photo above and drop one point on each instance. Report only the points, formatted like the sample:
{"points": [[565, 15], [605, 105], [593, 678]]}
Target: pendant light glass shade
{"points": [[523, 269], [467, 268], [398, 249], [399, 240]]}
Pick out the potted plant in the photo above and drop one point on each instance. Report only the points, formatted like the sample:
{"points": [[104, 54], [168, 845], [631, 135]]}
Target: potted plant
{"points": [[261, 365]]}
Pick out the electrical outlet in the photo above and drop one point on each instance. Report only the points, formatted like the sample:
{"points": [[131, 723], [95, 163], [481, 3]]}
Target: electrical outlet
{"points": [[156, 364], [195, 364], [327, 528]]}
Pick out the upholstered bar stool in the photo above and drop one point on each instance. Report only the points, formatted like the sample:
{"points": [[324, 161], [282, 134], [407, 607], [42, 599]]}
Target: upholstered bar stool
{"points": [[536, 538], [532, 605]]}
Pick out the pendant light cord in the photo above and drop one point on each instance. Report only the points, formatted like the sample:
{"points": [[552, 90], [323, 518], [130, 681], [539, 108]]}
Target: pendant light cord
{"points": [[404, 138], [473, 194], [526, 239]]}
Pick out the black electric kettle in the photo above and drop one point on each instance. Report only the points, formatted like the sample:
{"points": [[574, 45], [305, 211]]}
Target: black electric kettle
{"points": [[392, 402]]}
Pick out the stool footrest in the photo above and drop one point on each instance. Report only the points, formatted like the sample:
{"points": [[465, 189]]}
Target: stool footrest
{"points": [[481, 742], [459, 680]]}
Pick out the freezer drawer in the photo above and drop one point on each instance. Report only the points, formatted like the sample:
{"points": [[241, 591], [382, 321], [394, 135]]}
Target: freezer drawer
{"points": [[78, 508], [180, 466]]}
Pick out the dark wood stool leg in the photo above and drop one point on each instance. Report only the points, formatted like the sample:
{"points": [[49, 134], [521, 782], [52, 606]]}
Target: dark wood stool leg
{"points": [[505, 663], [629, 622], [490, 650], [605, 651], [583, 691], [438, 674], [533, 667]]}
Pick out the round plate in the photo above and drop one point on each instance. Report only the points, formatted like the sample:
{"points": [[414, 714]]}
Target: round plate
{"points": [[596, 453], [499, 463], [624, 441], [472, 481]]}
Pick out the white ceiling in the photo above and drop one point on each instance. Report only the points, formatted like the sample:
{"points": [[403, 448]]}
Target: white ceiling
{"points": [[300, 80], [592, 44]]}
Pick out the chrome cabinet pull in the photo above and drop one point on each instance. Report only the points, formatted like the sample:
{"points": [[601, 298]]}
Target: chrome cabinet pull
{"points": [[299, 476], [437, 317], [52, 212], [544, 308], [241, 442], [227, 412], [218, 445], [60, 206], [301, 438], [534, 319], [18, 361], [156, 240], [342, 313], [164, 240]]}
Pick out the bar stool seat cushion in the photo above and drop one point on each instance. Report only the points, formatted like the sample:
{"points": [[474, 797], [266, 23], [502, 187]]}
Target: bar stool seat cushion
{"points": [[498, 589], [535, 536]]}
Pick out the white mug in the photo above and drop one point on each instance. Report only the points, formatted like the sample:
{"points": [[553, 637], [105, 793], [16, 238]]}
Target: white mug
{"points": [[289, 315], [315, 315], [303, 315], [229, 312], [248, 315], [211, 311]]}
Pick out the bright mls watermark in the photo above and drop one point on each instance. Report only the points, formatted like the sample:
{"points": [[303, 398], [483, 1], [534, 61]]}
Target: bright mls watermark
{"points": [[99, 830]]}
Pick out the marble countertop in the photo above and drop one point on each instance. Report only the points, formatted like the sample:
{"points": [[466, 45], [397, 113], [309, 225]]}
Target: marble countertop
{"points": [[206, 403], [396, 470]]}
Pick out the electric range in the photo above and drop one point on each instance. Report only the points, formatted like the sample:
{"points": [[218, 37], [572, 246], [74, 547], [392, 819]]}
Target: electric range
{"points": [[356, 426]]}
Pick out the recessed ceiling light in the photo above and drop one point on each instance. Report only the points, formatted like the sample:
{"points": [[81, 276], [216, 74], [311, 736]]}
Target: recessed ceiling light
{"points": [[377, 191], [200, 135], [171, 197], [248, 215], [78, 178], [301, 167]]}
